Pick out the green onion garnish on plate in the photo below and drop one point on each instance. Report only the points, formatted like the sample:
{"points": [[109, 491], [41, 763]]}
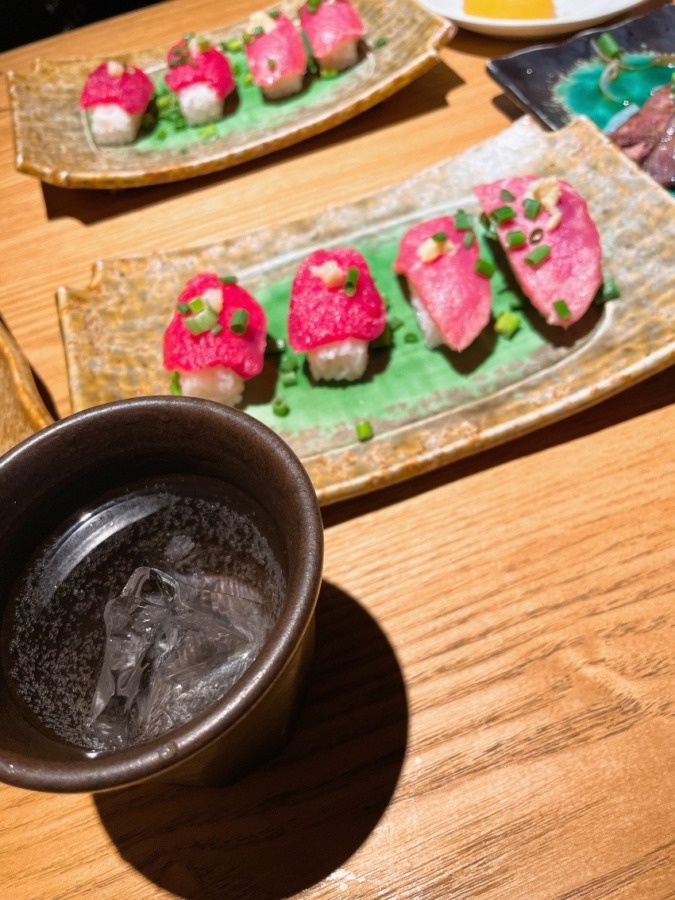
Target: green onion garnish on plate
{"points": [[537, 256], [516, 239], [562, 309], [507, 323], [531, 208], [364, 430], [484, 267], [239, 321]]}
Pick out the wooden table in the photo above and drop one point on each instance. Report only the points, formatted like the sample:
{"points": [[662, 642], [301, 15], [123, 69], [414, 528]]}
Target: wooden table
{"points": [[491, 708]]}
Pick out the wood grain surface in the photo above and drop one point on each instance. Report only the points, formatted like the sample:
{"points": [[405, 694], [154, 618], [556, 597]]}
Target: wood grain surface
{"points": [[491, 707]]}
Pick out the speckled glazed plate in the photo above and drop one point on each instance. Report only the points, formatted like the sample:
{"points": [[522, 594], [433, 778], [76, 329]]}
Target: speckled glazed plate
{"points": [[558, 81], [22, 410], [54, 143], [571, 15], [426, 407]]}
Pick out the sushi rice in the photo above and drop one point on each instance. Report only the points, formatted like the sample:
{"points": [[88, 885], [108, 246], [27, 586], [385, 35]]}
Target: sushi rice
{"points": [[430, 331], [340, 361], [216, 383], [200, 104], [112, 126]]}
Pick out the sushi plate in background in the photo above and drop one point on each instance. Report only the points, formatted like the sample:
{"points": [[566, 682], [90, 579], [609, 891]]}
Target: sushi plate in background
{"points": [[22, 408], [570, 15], [426, 407], [555, 82], [53, 141]]}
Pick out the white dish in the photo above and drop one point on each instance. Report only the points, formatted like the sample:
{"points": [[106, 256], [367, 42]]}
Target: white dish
{"points": [[572, 15]]}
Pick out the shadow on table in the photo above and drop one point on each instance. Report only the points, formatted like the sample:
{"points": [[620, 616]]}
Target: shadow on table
{"points": [[301, 816], [427, 93]]}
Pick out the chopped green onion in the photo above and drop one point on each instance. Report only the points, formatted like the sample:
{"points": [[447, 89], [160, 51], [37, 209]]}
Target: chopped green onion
{"points": [[562, 309], [468, 239], [503, 214], [610, 290], [313, 5], [174, 385], [248, 78], [196, 304], [516, 238], [279, 407], [183, 308], [507, 195], [351, 281], [258, 30], [440, 237], [228, 279], [234, 45], [271, 64], [208, 131], [488, 225], [536, 235], [507, 323], [217, 328], [394, 322], [410, 337], [364, 430], [463, 221], [202, 321], [288, 379], [288, 364], [239, 321], [274, 14], [484, 267], [531, 208], [608, 45], [380, 41], [538, 255], [328, 73]]}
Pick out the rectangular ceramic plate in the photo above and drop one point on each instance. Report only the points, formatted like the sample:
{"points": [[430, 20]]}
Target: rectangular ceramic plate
{"points": [[558, 81], [22, 409], [53, 141], [427, 407]]}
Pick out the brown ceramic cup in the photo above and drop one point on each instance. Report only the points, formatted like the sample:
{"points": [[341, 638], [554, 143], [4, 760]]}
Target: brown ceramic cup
{"points": [[47, 478]]}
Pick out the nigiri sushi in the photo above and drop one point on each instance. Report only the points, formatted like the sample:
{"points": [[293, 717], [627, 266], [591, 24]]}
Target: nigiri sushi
{"points": [[201, 77], [216, 339], [333, 29], [116, 96], [335, 311], [276, 54], [451, 299], [550, 241]]}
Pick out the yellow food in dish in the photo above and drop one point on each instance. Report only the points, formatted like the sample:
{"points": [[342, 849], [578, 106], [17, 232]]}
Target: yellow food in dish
{"points": [[510, 9]]}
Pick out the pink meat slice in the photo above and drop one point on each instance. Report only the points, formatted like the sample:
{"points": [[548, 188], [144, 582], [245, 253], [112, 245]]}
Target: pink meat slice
{"points": [[243, 353], [456, 297], [276, 54], [206, 67], [572, 272], [331, 24], [131, 90], [321, 315]]}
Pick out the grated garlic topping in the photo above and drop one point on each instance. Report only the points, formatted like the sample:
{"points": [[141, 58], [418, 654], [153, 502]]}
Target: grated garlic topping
{"points": [[547, 192], [431, 249], [330, 273], [115, 69], [213, 297]]}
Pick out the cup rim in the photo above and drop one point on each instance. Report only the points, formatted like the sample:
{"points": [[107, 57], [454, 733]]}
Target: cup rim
{"points": [[161, 754]]}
